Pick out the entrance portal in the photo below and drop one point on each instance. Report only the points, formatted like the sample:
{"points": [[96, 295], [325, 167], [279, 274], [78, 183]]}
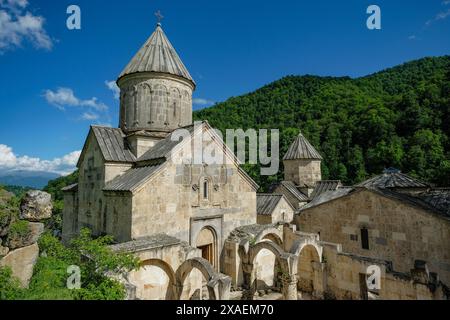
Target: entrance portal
{"points": [[207, 243]]}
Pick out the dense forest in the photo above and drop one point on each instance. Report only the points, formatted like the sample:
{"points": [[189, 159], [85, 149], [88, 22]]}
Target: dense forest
{"points": [[394, 118]]}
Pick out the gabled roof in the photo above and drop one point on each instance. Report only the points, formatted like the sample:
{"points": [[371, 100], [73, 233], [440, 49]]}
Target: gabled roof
{"points": [[302, 149], [438, 199], [112, 145], [157, 55], [146, 243], [290, 187], [324, 186], [327, 197], [392, 179], [267, 202], [432, 201], [132, 179], [150, 163]]}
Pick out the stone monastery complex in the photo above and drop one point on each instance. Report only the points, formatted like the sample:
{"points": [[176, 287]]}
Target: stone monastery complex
{"points": [[203, 232]]}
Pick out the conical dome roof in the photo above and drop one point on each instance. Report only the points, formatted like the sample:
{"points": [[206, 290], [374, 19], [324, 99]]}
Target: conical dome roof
{"points": [[302, 149], [157, 55]]}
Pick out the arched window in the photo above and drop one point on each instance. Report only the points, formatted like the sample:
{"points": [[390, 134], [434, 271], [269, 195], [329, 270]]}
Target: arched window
{"points": [[205, 190]]}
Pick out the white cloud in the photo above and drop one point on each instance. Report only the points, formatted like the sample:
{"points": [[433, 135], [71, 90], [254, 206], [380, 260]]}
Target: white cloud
{"points": [[90, 116], [202, 102], [9, 161], [439, 16], [17, 24], [64, 97], [112, 85]]}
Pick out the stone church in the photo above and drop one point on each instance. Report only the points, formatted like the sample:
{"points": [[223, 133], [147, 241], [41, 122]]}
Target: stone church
{"points": [[201, 230]]}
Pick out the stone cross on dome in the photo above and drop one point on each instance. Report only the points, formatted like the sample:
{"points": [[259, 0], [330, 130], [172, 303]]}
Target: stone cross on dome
{"points": [[159, 16]]}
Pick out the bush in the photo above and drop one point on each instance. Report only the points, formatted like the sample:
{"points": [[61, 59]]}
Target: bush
{"points": [[9, 285], [19, 228], [95, 260]]}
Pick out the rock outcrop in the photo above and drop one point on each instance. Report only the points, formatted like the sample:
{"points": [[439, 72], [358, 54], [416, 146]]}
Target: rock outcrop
{"points": [[21, 262], [20, 231], [30, 235], [36, 206]]}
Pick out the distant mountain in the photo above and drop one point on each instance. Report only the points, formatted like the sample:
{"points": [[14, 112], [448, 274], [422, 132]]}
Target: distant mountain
{"points": [[398, 118], [37, 180]]}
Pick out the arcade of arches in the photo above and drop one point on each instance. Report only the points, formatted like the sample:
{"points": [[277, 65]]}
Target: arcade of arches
{"points": [[289, 265]]}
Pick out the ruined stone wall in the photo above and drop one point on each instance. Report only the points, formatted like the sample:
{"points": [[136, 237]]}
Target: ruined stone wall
{"points": [[155, 280], [397, 232], [345, 276]]}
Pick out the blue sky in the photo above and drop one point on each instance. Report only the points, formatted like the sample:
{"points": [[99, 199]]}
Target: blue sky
{"points": [[230, 48]]}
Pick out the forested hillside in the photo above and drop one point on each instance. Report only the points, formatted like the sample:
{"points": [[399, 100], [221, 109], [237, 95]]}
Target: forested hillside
{"points": [[395, 118]]}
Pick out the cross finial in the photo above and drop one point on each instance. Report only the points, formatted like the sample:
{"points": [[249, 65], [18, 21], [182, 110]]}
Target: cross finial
{"points": [[159, 16]]}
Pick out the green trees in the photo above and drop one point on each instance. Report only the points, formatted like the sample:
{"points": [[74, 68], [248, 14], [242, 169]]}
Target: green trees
{"points": [[395, 118], [49, 282]]}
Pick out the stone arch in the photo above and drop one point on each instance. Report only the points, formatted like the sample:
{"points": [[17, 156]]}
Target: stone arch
{"points": [[309, 265], [167, 270], [205, 268], [206, 241], [268, 245], [300, 244], [159, 104], [128, 108], [186, 112], [144, 104], [135, 107], [272, 234], [287, 272], [175, 107], [267, 269]]}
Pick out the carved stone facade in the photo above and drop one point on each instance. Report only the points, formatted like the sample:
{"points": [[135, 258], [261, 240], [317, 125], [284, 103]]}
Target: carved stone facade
{"points": [[155, 102]]}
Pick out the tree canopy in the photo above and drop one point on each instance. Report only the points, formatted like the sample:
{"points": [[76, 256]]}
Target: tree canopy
{"points": [[394, 118]]}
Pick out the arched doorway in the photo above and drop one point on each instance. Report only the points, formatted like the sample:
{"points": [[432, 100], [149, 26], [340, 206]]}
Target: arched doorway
{"points": [[305, 270], [207, 243], [154, 281]]}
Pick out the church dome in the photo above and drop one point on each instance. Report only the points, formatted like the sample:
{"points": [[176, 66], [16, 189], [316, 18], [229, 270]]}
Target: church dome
{"points": [[157, 55], [155, 89]]}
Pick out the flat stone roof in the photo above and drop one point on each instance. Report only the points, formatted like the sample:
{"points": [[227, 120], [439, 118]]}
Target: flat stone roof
{"points": [[146, 243]]}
